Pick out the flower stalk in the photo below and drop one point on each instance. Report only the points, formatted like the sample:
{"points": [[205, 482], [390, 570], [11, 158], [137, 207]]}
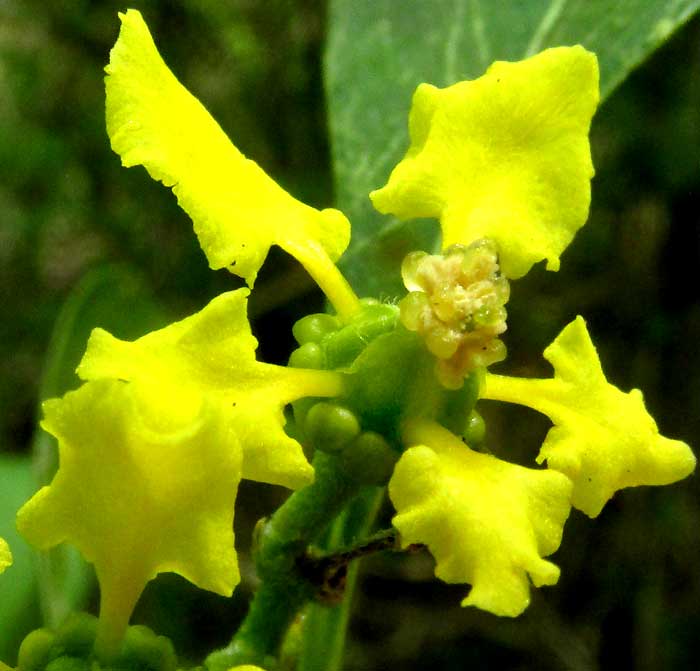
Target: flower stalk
{"points": [[282, 544]]}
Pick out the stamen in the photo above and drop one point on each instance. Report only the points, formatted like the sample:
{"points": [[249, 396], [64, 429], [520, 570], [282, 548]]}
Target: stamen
{"points": [[457, 304]]}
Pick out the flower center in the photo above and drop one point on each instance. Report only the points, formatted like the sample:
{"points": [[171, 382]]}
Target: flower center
{"points": [[457, 305]]}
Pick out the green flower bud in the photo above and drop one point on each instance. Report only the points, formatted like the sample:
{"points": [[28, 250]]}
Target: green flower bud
{"points": [[330, 427], [369, 459], [35, 650], [146, 651], [313, 328], [76, 636], [309, 355], [70, 648], [474, 430]]}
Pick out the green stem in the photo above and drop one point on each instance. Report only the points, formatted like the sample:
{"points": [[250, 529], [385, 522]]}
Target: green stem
{"points": [[284, 588], [325, 627]]}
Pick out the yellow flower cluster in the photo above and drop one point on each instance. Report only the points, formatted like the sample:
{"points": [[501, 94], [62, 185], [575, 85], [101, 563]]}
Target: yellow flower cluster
{"points": [[154, 444], [506, 157]]}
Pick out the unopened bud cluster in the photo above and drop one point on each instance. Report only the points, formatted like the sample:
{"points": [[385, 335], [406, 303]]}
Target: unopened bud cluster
{"points": [[457, 305], [335, 427]]}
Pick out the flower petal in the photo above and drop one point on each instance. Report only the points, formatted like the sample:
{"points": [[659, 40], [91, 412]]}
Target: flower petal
{"points": [[213, 353], [146, 484], [603, 439], [486, 522], [237, 209], [505, 156]]}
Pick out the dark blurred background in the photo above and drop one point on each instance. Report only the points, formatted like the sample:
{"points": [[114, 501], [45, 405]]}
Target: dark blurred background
{"points": [[629, 596]]}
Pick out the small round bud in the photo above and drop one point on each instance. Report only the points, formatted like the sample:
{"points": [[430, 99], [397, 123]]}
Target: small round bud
{"points": [[330, 427], [35, 650], [312, 328], [309, 355], [143, 649], [369, 459], [475, 429], [77, 634]]}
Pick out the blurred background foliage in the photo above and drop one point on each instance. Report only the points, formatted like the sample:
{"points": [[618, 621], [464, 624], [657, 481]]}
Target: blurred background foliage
{"points": [[73, 223]]}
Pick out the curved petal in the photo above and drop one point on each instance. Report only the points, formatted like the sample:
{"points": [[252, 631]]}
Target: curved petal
{"points": [[487, 522], [147, 483], [238, 211], [505, 156], [603, 439], [213, 353]]}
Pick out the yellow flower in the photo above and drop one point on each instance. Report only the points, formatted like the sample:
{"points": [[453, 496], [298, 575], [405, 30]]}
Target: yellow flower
{"points": [[146, 484], [212, 353], [486, 522], [5, 555], [238, 211], [505, 156], [603, 439]]}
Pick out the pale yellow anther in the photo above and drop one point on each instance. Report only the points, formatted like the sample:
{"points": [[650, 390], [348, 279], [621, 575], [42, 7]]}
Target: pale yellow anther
{"points": [[456, 305]]}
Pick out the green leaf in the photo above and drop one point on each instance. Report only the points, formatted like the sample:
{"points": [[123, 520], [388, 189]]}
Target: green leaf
{"points": [[378, 52], [115, 299], [18, 610]]}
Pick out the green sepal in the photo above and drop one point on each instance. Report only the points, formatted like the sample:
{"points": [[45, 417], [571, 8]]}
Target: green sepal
{"points": [[456, 407], [384, 377], [390, 375], [395, 377]]}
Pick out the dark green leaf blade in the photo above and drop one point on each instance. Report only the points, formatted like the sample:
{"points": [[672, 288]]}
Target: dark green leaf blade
{"points": [[18, 584]]}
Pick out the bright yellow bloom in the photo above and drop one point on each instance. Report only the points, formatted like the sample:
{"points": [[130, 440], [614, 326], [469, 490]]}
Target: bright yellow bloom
{"points": [[5, 555], [212, 353], [146, 484], [505, 156], [486, 522], [603, 439], [238, 211]]}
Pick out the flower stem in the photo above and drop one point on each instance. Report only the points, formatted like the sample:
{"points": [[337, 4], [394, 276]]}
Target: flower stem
{"points": [[325, 627], [541, 395], [329, 279], [284, 587]]}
